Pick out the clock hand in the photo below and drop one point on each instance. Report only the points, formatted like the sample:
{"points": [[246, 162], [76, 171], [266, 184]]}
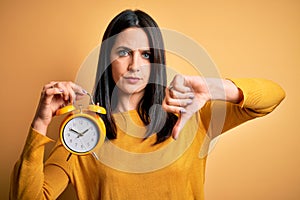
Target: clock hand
{"points": [[85, 131], [79, 134], [71, 129]]}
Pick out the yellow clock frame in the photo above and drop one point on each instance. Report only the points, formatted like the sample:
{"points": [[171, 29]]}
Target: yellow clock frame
{"points": [[89, 114]]}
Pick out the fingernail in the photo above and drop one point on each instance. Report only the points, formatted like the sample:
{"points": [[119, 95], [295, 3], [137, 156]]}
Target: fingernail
{"points": [[191, 96], [189, 102], [61, 90], [84, 91], [175, 136], [181, 111]]}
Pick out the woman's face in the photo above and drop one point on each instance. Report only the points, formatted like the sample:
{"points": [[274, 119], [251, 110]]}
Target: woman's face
{"points": [[130, 61]]}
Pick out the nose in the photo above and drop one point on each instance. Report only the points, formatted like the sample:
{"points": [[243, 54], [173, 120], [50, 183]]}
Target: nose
{"points": [[136, 62]]}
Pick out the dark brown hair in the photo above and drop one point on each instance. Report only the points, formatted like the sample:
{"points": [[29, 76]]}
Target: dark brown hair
{"points": [[149, 107]]}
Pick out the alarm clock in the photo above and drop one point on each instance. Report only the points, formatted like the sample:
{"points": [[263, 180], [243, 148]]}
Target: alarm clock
{"points": [[82, 130]]}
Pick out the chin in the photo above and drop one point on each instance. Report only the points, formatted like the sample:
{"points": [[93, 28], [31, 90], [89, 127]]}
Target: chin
{"points": [[132, 90]]}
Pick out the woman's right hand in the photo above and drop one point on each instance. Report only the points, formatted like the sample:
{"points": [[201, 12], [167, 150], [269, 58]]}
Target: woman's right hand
{"points": [[54, 96]]}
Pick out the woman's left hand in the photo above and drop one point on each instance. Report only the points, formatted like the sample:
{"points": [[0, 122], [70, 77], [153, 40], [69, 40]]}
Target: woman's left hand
{"points": [[188, 94], [185, 96]]}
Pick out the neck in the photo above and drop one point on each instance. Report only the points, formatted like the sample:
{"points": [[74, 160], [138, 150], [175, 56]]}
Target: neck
{"points": [[127, 102]]}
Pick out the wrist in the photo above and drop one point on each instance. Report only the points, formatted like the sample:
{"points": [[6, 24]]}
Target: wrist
{"points": [[216, 88], [223, 89], [39, 126], [233, 93]]}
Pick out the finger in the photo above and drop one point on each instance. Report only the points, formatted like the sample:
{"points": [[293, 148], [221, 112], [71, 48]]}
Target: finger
{"points": [[79, 91], [178, 102], [181, 95], [174, 109], [166, 105], [169, 101], [178, 83], [176, 128], [50, 85], [182, 119], [65, 90], [49, 90], [185, 116], [71, 92], [181, 88], [53, 91], [49, 93]]}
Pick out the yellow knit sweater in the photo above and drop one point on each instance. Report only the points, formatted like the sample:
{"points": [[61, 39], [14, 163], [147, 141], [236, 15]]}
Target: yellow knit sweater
{"points": [[133, 168]]}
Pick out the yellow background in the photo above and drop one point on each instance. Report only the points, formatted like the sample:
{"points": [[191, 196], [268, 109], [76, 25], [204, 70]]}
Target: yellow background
{"points": [[42, 41]]}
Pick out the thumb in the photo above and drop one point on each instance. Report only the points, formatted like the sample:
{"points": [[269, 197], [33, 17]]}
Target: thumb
{"points": [[182, 119]]}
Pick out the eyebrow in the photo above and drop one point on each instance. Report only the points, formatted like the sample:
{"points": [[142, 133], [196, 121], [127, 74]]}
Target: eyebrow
{"points": [[128, 49]]}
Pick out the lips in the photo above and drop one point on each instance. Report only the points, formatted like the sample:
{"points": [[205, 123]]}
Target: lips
{"points": [[132, 79]]}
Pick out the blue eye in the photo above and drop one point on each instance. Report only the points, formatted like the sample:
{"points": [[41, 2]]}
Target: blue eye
{"points": [[146, 55], [123, 53]]}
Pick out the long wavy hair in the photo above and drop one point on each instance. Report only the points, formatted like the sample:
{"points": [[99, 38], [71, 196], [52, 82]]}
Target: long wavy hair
{"points": [[149, 107]]}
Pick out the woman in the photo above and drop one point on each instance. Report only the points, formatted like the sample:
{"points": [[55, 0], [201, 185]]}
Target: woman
{"points": [[131, 86]]}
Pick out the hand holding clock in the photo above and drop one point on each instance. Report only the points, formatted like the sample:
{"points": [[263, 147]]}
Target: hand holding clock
{"points": [[54, 96]]}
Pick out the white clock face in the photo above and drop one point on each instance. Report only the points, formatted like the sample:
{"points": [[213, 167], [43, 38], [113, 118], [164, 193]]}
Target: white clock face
{"points": [[80, 134]]}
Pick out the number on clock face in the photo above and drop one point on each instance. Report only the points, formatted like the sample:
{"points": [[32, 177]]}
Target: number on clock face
{"points": [[80, 134]]}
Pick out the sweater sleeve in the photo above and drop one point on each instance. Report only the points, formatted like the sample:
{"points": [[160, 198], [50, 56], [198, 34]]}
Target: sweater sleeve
{"points": [[260, 97], [30, 179]]}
